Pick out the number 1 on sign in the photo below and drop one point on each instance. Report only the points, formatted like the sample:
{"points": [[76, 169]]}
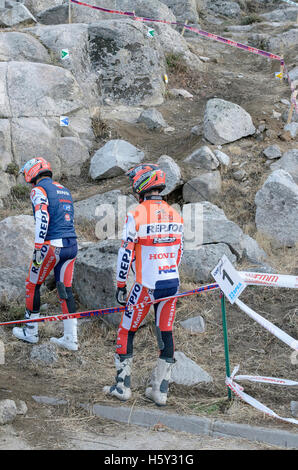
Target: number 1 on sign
{"points": [[228, 279]]}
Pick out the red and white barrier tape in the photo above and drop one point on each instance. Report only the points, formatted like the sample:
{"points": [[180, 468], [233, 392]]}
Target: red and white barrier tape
{"points": [[239, 391], [267, 279], [284, 337], [205, 34]]}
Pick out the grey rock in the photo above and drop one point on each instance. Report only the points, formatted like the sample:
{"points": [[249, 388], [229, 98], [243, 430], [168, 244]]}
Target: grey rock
{"points": [[206, 187], [183, 10], [293, 74], [152, 118], [18, 46], [226, 122], [6, 156], [186, 372], [281, 14], [94, 277], [73, 154], [225, 8], [173, 173], [12, 285], [21, 407], [286, 40], [7, 181], [18, 15], [272, 152], [196, 265], [49, 400], [239, 175], [222, 157], [202, 158], [8, 411], [251, 250], [277, 209], [292, 127], [294, 408], [36, 6], [45, 353], [113, 159], [17, 231], [42, 90], [36, 136], [107, 210], [289, 163], [194, 324], [130, 66], [180, 92]]}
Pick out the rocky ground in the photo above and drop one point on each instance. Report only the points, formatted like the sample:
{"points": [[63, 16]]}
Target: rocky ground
{"points": [[253, 233]]}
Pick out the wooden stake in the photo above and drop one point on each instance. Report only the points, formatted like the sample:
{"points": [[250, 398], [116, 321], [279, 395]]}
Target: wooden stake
{"points": [[294, 96], [183, 30], [69, 11]]}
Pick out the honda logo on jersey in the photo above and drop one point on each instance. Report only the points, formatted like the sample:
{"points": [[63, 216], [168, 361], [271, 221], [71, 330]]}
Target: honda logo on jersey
{"points": [[161, 256]]}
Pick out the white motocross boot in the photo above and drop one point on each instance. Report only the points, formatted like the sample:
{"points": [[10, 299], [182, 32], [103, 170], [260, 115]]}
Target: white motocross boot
{"points": [[121, 389], [29, 332], [70, 339], [158, 389]]}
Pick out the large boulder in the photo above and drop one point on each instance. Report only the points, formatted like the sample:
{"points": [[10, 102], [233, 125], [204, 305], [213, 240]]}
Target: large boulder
{"points": [[206, 187], [58, 14], [36, 6], [173, 174], [286, 40], [8, 411], [130, 63], [225, 8], [16, 15], [277, 209], [36, 90], [289, 163], [12, 285], [7, 181], [280, 15], [5, 144], [94, 278], [183, 9], [18, 46], [202, 158], [226, 122], [107, 211], [113, 159], [36, 136], [17, 234], [196, 265]]}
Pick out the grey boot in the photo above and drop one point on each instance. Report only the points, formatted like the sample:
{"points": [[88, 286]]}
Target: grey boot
{"points": [[158, 389], [29, 332], [121, 389]]}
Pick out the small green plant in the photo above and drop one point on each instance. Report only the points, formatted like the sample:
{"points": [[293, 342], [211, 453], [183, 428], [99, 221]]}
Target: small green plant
{"points": [[13, 169], [20, 191], [250, 19], [174, 62]]}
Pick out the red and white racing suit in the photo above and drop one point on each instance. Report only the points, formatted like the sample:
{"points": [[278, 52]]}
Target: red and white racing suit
{"points": [[152, 245]]}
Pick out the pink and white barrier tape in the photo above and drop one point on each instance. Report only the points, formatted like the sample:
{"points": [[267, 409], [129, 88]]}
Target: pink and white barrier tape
{"points": [[239, 391], [272, 280]]}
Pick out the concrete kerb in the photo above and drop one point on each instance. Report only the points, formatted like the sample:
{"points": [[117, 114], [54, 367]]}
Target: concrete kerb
{"points": [[185, 423], [195, 425]]}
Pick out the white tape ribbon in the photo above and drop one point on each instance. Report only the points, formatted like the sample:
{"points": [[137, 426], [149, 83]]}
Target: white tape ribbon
{"points": [[272, 280], [239, 391], [284, 337]]}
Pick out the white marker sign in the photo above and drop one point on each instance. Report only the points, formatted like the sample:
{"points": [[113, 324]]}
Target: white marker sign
{"points": [[228, 279]]}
